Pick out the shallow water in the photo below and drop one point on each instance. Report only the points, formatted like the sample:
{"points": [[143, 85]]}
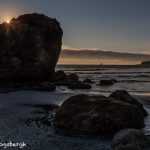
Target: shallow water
{"points": [[20, 122], [135, 79]]}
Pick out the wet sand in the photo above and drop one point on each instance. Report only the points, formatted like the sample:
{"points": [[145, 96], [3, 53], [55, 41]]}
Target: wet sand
{"points": [[30, 119]]}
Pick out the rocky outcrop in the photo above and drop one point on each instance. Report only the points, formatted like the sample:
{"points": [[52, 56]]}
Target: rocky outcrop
{"points": [[71, 80], [97, 114], [60, 76], [124, 96], [29, 48], [107, 82], [88, 81], [73, 77], [130, 139]]}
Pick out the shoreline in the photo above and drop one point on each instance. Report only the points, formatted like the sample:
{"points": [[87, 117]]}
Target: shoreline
{"points": [[35, 120]]}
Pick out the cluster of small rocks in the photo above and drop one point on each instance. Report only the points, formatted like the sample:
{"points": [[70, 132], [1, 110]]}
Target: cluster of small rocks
{"points": [[71, 81], [60, 78]]}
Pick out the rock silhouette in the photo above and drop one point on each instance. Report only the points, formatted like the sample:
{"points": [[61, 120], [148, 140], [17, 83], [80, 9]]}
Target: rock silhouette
{"points": [[29, 48]]}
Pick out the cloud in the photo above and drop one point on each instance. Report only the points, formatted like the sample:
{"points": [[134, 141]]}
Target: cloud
{"points": [[66, 47], [99, 54]]}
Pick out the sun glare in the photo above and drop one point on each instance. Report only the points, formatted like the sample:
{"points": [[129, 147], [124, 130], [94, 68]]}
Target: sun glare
{"points": [[8, 21]]}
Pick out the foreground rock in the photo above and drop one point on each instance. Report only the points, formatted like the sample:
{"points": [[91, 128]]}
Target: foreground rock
{"points": [[130, 139], [29, 48], [124, 96], [97, 114]]}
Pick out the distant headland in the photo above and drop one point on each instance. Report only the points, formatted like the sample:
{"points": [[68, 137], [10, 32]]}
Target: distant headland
{"points": [[145, 63]]}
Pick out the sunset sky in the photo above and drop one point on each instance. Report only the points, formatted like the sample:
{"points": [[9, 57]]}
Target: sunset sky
{"points": [[115, 25]]}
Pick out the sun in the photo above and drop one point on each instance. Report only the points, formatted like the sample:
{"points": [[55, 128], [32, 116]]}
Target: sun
{"points": [[8, 21]]}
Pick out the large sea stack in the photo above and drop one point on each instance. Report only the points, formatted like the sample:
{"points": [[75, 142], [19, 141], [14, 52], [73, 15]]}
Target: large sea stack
{"points": [[29, 48]]}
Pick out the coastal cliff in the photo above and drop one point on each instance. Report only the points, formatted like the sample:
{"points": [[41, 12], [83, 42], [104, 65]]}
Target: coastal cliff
{"points": [[29, 48]]}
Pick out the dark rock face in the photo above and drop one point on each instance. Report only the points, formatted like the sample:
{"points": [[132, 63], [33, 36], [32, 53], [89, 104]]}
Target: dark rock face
{"points": [[97, 114], [29, 48], [124, 96], [130, 139]]}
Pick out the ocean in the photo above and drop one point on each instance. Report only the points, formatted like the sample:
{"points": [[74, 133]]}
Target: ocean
{"points": [[24, 123], [135, 79]]}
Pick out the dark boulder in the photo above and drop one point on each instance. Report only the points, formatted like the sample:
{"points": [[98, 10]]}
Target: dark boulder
{"points": [[62, 79], [70, 80], [60, 76], [130, 139], [29, 48], [124, 96], [97, 114], [73, 77], [107, 82], [88, 81], [73, 84]]}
